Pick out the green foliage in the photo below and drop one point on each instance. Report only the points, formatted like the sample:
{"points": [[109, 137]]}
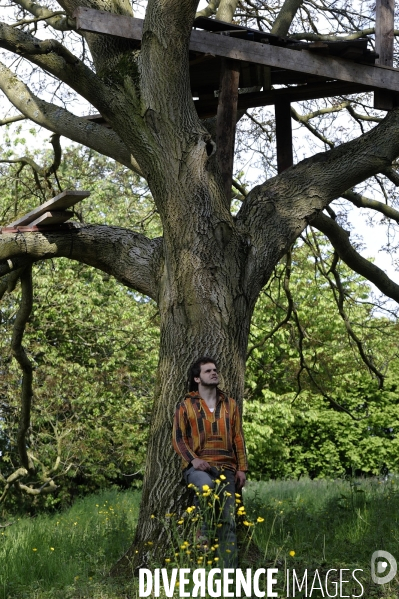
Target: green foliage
{"points": [[93, 344], [312, 406]]}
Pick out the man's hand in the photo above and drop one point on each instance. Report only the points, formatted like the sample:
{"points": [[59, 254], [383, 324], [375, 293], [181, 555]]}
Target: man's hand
{"points": [[240, 479], [199, 464]]}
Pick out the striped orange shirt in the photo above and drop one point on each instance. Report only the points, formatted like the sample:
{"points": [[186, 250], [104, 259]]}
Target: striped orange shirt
{"points": [[215, 437]]}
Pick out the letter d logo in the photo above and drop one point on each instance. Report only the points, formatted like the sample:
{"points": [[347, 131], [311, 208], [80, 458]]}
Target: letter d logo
{"points": [[382, 567]]}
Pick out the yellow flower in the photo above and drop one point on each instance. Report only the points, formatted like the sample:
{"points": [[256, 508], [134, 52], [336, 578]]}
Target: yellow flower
{"points": [[222, 476], [152, 516], [149, 543], [217, 497], [190, 486], [34, 549], [190, 509], [180, 521], [51, 548], [237, 495], [167, 560], [215, 559], [227, 494], [260, 519], [217, 481], [238, 501], [246, 523], [209, 562], [292, 553], [205, 487]]}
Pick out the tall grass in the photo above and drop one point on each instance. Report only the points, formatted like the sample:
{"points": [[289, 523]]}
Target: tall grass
{"points": [[65, 554], [307, 524]]}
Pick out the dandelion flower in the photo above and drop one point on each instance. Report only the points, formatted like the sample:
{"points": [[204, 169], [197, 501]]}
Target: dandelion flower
{"points": [[292, 553]]}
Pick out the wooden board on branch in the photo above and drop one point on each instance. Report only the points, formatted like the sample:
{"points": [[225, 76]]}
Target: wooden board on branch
{"points": [[51, 212]]}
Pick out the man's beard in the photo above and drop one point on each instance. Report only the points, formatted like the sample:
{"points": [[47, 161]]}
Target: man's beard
{"points": [[204, 384]]}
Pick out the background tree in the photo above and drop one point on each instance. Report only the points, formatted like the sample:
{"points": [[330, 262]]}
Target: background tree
{"points": [[207, 270]]}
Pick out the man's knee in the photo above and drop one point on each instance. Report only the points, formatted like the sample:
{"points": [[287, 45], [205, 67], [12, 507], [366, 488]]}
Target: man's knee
{"points": [[199, 478]]}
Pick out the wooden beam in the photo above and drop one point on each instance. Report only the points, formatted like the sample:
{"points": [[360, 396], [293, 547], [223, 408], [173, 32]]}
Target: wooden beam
{"points": [[283, 135], [384, 37], [226, 121], [55, 217], [266, 54], [207, 106], [60, 202]]}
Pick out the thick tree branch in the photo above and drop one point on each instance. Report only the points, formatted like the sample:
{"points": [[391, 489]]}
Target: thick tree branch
{"points": [[53, 57], [130, 257], [209, 10], [275, 213], [63, 122], [339, 239], [285, 17]]}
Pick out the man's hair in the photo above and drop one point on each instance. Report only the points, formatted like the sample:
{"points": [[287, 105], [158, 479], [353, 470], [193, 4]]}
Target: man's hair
{"points": [[195, 371]]}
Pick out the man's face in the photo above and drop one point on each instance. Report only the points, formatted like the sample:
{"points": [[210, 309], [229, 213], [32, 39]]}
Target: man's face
{"points": [[208, 376]]}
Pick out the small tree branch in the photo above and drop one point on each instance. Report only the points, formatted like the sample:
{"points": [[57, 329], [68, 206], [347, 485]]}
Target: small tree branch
{"points": [[339, 239], [360, 201], [25, 364], [57, 20], [12, 119]]}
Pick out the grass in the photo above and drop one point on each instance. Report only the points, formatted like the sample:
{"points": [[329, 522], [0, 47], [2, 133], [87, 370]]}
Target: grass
{"points": [[328, 524]]}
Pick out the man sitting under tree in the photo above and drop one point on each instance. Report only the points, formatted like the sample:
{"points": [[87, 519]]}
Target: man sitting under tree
{"points": [[208, 436]]}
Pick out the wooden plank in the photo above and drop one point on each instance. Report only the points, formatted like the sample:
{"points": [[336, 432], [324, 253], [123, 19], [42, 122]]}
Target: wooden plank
{"points": [[98, 21], [384, 37], [226, 121], [265, 54], [207, 106], [63, 200], [283, 135], [52, 218]]}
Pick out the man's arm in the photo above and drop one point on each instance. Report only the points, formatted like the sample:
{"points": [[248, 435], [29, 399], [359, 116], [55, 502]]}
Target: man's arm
{"points": [[179, 435]]}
